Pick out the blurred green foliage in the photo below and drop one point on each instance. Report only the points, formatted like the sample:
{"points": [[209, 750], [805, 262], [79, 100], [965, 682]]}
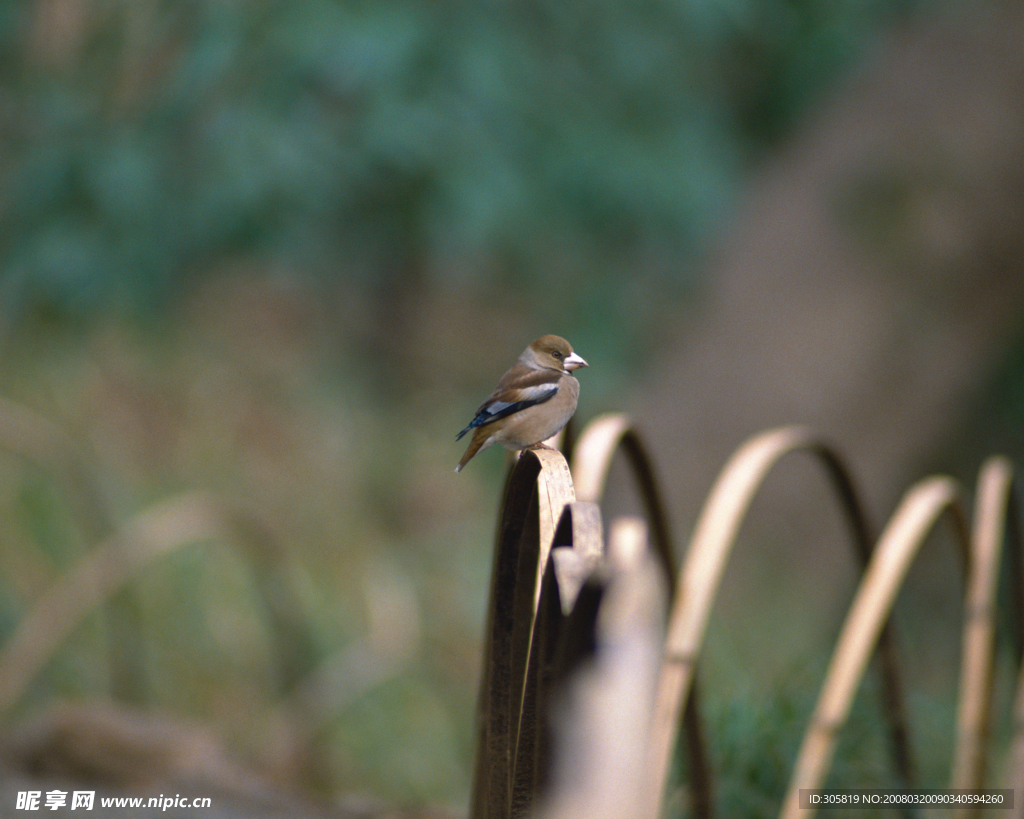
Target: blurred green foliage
{"points": [[391, 146], [755, 737]]}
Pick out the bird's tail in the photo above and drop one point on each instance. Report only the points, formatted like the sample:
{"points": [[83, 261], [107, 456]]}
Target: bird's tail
{"points": [[474, 447]]}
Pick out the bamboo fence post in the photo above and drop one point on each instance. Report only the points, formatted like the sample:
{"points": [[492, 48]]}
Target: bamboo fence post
{"points": [[897, 547], [988, 534], [539, 487], [713, 540], [574, 557], [592, 458]]}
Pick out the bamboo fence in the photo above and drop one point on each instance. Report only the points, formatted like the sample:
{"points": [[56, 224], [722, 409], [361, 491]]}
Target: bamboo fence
{"points": [[555, 632], [589, 676]]}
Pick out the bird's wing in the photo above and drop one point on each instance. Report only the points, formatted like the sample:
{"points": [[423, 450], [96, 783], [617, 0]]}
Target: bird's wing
{"points": [[514, 393]]}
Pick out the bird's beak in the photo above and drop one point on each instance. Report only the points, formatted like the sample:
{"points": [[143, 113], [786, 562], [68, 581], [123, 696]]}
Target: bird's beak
{"points": [[574, 362]]}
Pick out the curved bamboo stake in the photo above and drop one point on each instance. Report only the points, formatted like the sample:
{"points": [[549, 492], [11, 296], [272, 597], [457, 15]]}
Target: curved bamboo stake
{"points": [[991, 511], [712, 541], [577, 550], [898, 545], [143, 540], [1015, 774], [99, 574], [591, 460], [604, 707], [38, 441], [555, 491]]}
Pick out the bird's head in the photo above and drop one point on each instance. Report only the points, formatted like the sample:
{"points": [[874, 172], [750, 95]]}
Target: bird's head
{"points": [[555, 353]]}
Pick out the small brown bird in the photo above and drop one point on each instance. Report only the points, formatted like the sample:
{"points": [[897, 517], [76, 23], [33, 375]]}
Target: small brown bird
{"points": [[532, 401]]}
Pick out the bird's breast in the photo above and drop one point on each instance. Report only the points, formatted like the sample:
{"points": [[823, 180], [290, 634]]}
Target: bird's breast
{"points": [[541, 421]]}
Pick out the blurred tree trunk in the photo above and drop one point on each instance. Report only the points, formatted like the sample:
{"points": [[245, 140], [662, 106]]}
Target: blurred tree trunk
{"points": [[870, 289], [874, 280]]}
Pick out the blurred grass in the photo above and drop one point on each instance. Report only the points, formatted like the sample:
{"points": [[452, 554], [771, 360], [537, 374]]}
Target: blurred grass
{"points": [[754, 727], [288, 437]]}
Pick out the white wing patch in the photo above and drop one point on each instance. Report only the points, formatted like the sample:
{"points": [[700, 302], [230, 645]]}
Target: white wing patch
{"points": [[527, 397]]}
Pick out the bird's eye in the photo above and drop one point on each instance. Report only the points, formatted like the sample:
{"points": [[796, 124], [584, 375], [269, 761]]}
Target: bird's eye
{"points": [[557, 354]]}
